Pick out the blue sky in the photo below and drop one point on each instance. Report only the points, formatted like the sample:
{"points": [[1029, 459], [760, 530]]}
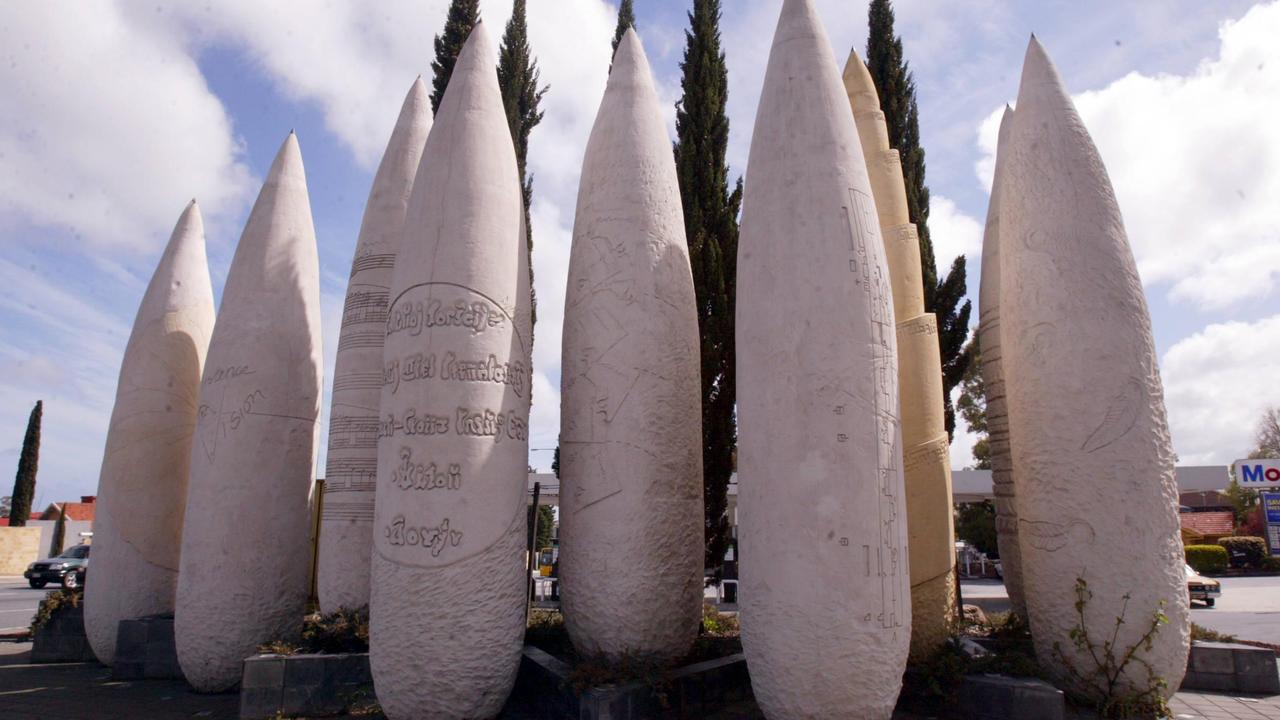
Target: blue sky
{"points": [[112, 122]]}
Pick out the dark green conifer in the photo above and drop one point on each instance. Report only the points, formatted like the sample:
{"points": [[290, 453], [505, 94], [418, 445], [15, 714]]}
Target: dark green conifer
{"points": [[24, 485], [711, 225], [521, 96], [463, 16], [897, 90], [626, 19]]}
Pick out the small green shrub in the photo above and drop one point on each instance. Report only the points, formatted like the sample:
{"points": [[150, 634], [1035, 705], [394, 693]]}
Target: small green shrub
{"points": [[716, 623], [341, 631], [55, 602], [1270, 562], [1207, 558], [1200, 632], [1244, 551]]}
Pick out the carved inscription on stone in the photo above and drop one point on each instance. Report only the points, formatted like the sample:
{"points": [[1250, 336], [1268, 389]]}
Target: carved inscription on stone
{"points": [[454, 379]]}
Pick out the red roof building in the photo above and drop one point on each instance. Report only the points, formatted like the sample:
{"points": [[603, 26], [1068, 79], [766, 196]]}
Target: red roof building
{"points": [[1205, 528]]}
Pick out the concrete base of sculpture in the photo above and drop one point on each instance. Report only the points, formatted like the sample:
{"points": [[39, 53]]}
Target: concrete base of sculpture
{"points": [[142, 491], [826, 611], [276, 686], [145, 650], [1092, 458], [631, 424]]}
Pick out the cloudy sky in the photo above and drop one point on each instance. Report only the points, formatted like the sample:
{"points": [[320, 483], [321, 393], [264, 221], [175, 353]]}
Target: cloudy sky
{"points": [[116, 114]]}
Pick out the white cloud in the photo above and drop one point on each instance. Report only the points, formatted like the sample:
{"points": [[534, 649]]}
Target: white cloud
{"points": [[1195, 163], [953, 234], [107, 128], [1217, 383]]}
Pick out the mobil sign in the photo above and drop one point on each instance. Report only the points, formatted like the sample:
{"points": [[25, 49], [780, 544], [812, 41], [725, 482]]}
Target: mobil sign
{"points": [[1258, 473]]}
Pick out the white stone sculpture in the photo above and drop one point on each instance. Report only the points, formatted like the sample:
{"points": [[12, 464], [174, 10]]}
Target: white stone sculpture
{"points": [[631, 423], [926, 458], [993, 381], [448, 596], [346, 531], [142, 491], [826, 603], [1092, 459], [246, 542]]}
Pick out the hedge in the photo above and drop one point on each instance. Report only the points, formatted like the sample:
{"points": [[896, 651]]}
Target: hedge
{"points": [[1207, 558], [1245, 551]]}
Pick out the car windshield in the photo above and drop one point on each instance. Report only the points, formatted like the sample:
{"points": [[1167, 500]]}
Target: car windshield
{"points": [[78, 552]]}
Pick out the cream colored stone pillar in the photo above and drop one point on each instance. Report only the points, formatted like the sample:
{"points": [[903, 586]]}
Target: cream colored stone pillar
{"points": [[346, 529], [926, 452], [992, 350], [244, 572], [826, 612], [447, 603], [631, 423], [1092, 457], [142, 491]]}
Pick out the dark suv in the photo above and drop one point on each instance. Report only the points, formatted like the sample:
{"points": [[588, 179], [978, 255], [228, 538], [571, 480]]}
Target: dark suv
{"points": [[52, 570]]}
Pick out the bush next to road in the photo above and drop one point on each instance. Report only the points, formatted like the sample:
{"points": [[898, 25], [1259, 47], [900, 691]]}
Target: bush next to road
{"points": [[1245, 551], [1271, 563], [1207, 558]]}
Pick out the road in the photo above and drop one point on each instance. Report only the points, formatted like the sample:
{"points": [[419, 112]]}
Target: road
{"points": [[18, 602], [1249, 607]]}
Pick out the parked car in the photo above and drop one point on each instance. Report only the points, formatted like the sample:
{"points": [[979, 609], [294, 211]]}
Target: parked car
{"points": [[75, 578], [1202, 588], [43, 572]]}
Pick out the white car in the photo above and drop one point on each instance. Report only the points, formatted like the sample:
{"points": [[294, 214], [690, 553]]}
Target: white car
{"points": [[1202, 588]]}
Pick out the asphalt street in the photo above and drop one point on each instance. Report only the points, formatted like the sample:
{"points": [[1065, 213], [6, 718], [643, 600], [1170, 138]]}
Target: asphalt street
{"points": [[1248, 608], [18, 602]]}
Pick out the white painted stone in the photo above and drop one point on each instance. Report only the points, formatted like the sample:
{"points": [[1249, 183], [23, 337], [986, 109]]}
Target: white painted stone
{"points": [[346, 531], [1092, 459], [631, 422], [993, 380], [826, 602], [142, 491], [448, 595], [246, 543]]}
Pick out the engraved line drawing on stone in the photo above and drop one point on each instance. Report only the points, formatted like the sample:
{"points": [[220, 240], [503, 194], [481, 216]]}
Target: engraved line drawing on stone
{"points": [[1052, 537], [373, 262], [411, 475], [1121, 415], [493, 305], [435, 539]]}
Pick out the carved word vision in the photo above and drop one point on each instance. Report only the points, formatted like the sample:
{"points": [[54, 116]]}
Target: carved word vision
{"points": [[469, 422], [414, 317], [423, 366], [435, 539], [410, 475], [232, 418]]}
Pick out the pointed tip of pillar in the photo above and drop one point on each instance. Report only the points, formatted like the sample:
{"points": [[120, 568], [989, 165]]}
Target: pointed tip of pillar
{"points": [[629, 60], [1038, 72]]}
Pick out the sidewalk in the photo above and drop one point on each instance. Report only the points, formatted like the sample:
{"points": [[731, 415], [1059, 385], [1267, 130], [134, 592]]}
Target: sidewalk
{"points": [[85, 691]]}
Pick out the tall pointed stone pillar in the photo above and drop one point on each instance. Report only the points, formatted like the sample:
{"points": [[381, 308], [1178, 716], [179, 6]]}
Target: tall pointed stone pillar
{"points": [[448, 597], [991, 350], [245, 543], [631, 423], [926, 447], [142, 491], [1094, 467], [346, 530], [826, 610]]}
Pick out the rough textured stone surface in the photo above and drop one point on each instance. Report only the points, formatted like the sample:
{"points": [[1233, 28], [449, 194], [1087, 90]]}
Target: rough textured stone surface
{"points": [[447, 602], [142, 491], [1092, 457], [926, 453], [245, 544], [826, 611], [346, 532], [998, 434], [631, 425]]}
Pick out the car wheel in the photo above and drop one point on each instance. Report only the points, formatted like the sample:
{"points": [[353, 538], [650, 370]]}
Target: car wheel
{"points": [[37, 584], [70, 581]]}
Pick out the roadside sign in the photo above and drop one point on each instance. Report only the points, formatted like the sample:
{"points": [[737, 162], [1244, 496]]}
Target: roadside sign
{"points": [[1271, 513], [1258, 473]]}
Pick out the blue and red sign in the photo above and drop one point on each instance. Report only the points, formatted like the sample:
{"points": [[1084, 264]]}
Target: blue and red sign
{"points": [[1258, 473]]}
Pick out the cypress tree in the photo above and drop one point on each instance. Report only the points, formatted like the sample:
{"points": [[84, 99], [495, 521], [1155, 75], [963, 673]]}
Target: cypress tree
{"points": [[521, 96], [711, 225], [463, 16], [626, 19], [24, 485], [60, 531], [897, 90]]}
